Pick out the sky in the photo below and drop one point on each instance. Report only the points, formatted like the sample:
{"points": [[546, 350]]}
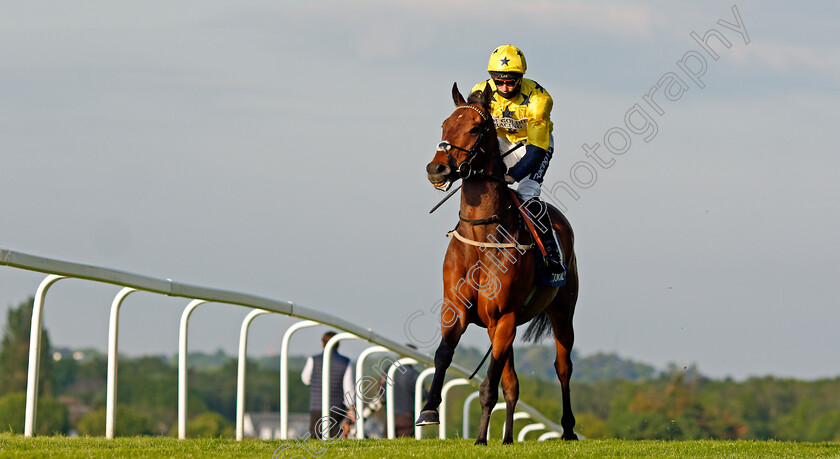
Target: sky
{"points": [[279, 149]]}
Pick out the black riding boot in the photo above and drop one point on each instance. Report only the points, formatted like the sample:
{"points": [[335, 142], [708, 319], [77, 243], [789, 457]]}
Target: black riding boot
{"points": [[542, 222]]}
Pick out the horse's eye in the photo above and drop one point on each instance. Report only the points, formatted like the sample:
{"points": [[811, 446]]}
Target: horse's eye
{"points": [[475, 130]]}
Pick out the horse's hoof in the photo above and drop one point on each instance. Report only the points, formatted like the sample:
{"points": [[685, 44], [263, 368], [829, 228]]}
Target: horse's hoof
{"points": [[507, 442], [481, 442], [571, 437], [427, 417]]}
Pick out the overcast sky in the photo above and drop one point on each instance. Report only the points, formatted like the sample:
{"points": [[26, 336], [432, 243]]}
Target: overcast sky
{"points": [[279, 149]]}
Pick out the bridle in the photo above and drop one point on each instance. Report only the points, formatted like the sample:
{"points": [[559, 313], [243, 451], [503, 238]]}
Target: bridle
{"points": [[465, 169]]}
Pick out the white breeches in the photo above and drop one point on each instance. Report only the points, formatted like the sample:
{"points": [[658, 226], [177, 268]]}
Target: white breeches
{"points": [[527, 188]]}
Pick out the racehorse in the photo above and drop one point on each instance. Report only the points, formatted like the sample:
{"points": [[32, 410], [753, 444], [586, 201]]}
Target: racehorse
{"points": [[490, 283]]}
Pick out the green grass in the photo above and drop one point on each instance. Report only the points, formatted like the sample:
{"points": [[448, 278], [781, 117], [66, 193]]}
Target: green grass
{"points": [[18, 446]]}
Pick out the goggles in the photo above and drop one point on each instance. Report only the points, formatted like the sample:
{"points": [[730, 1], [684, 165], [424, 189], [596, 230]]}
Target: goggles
{"points": [[501, 82]]}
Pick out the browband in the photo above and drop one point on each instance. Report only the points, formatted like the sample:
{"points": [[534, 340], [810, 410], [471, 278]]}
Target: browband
{"points": [[483, 116]]}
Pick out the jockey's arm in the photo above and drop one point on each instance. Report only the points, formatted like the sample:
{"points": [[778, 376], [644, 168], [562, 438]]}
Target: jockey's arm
{"points": [[539, 137]]}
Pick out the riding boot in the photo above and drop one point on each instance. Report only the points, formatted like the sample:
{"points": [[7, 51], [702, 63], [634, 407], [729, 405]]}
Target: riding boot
{"points": [[542, 222], [553, 258]]}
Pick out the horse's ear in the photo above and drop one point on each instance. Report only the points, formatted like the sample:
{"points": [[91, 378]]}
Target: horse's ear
{"points": [[487, 95], [456, 96]]}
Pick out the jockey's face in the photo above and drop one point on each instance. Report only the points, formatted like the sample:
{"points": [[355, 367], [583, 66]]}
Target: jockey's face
{"points": [[507, 88]]}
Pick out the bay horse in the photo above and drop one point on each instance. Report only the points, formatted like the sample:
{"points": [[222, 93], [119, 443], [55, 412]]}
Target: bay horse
{"points": [[493, 287]]}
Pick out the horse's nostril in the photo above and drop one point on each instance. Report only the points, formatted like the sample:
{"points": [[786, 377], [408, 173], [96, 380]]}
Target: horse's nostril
{"points": [[437, 169]]}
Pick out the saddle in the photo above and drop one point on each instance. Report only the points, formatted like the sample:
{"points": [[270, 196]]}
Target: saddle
{"points": [[544, 275]]}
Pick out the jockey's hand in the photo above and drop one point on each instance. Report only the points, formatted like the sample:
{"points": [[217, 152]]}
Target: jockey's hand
{"points": [[509, 179]]}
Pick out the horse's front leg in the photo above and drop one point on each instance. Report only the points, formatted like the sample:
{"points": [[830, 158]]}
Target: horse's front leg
{"points": [[453, 325], [501, 337]]}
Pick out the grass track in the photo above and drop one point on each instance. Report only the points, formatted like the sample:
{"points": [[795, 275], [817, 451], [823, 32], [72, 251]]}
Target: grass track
{"points": [[18, 446]]}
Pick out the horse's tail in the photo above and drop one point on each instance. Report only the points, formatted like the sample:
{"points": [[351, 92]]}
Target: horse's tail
{"points": [[538, 329]]}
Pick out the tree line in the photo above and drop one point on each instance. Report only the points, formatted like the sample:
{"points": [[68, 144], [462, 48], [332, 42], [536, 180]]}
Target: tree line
{"points": [[611, 397]]}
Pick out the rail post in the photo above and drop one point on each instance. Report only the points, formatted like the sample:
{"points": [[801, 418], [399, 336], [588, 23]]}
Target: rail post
{"points": [[182, 368], [360, 403], [446, 387], [418, 399], [113, 347], [467, 401], [499, 406], [35, 353], [529, 428], [389, 391], [325, 380], [284, 375], [240, 371]]}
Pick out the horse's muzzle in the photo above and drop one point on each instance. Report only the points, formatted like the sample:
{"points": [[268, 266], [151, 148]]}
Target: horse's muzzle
{"points": [[438, 174]]}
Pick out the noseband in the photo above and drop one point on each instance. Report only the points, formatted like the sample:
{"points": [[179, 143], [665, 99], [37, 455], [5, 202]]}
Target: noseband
{"points": [[464, 169]]}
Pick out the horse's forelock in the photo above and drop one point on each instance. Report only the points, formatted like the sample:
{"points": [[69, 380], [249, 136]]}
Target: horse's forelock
{"points": [[477, 97]]}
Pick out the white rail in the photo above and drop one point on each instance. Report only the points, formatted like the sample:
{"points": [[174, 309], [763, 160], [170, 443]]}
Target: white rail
{"points": [[240, 371], [325, 381], [418, 399], [470, 398], [360, 397], [183, 370], [113, 352], [57, 269], [446, 388], [284, 375], [389, 390], [529, 428], [499, 406]]}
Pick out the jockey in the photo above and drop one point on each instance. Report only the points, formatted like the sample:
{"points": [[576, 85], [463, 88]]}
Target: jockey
{"points": [[521, 111]]}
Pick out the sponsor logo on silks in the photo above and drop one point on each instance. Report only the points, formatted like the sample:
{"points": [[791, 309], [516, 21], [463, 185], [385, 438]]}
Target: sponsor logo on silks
{"points": [[509, 123], [558, 277]]}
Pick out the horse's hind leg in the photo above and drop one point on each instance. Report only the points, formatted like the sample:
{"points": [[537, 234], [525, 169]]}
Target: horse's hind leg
{"points": [[510, 389], [560, 316], [501, 337]]}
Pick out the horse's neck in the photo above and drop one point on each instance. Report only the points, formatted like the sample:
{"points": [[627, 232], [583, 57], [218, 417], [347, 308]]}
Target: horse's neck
{"points": [[482, 198]]}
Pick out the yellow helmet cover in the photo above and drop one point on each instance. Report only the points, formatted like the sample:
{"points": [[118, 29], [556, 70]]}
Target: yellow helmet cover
{"points": [[507, 59]]}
